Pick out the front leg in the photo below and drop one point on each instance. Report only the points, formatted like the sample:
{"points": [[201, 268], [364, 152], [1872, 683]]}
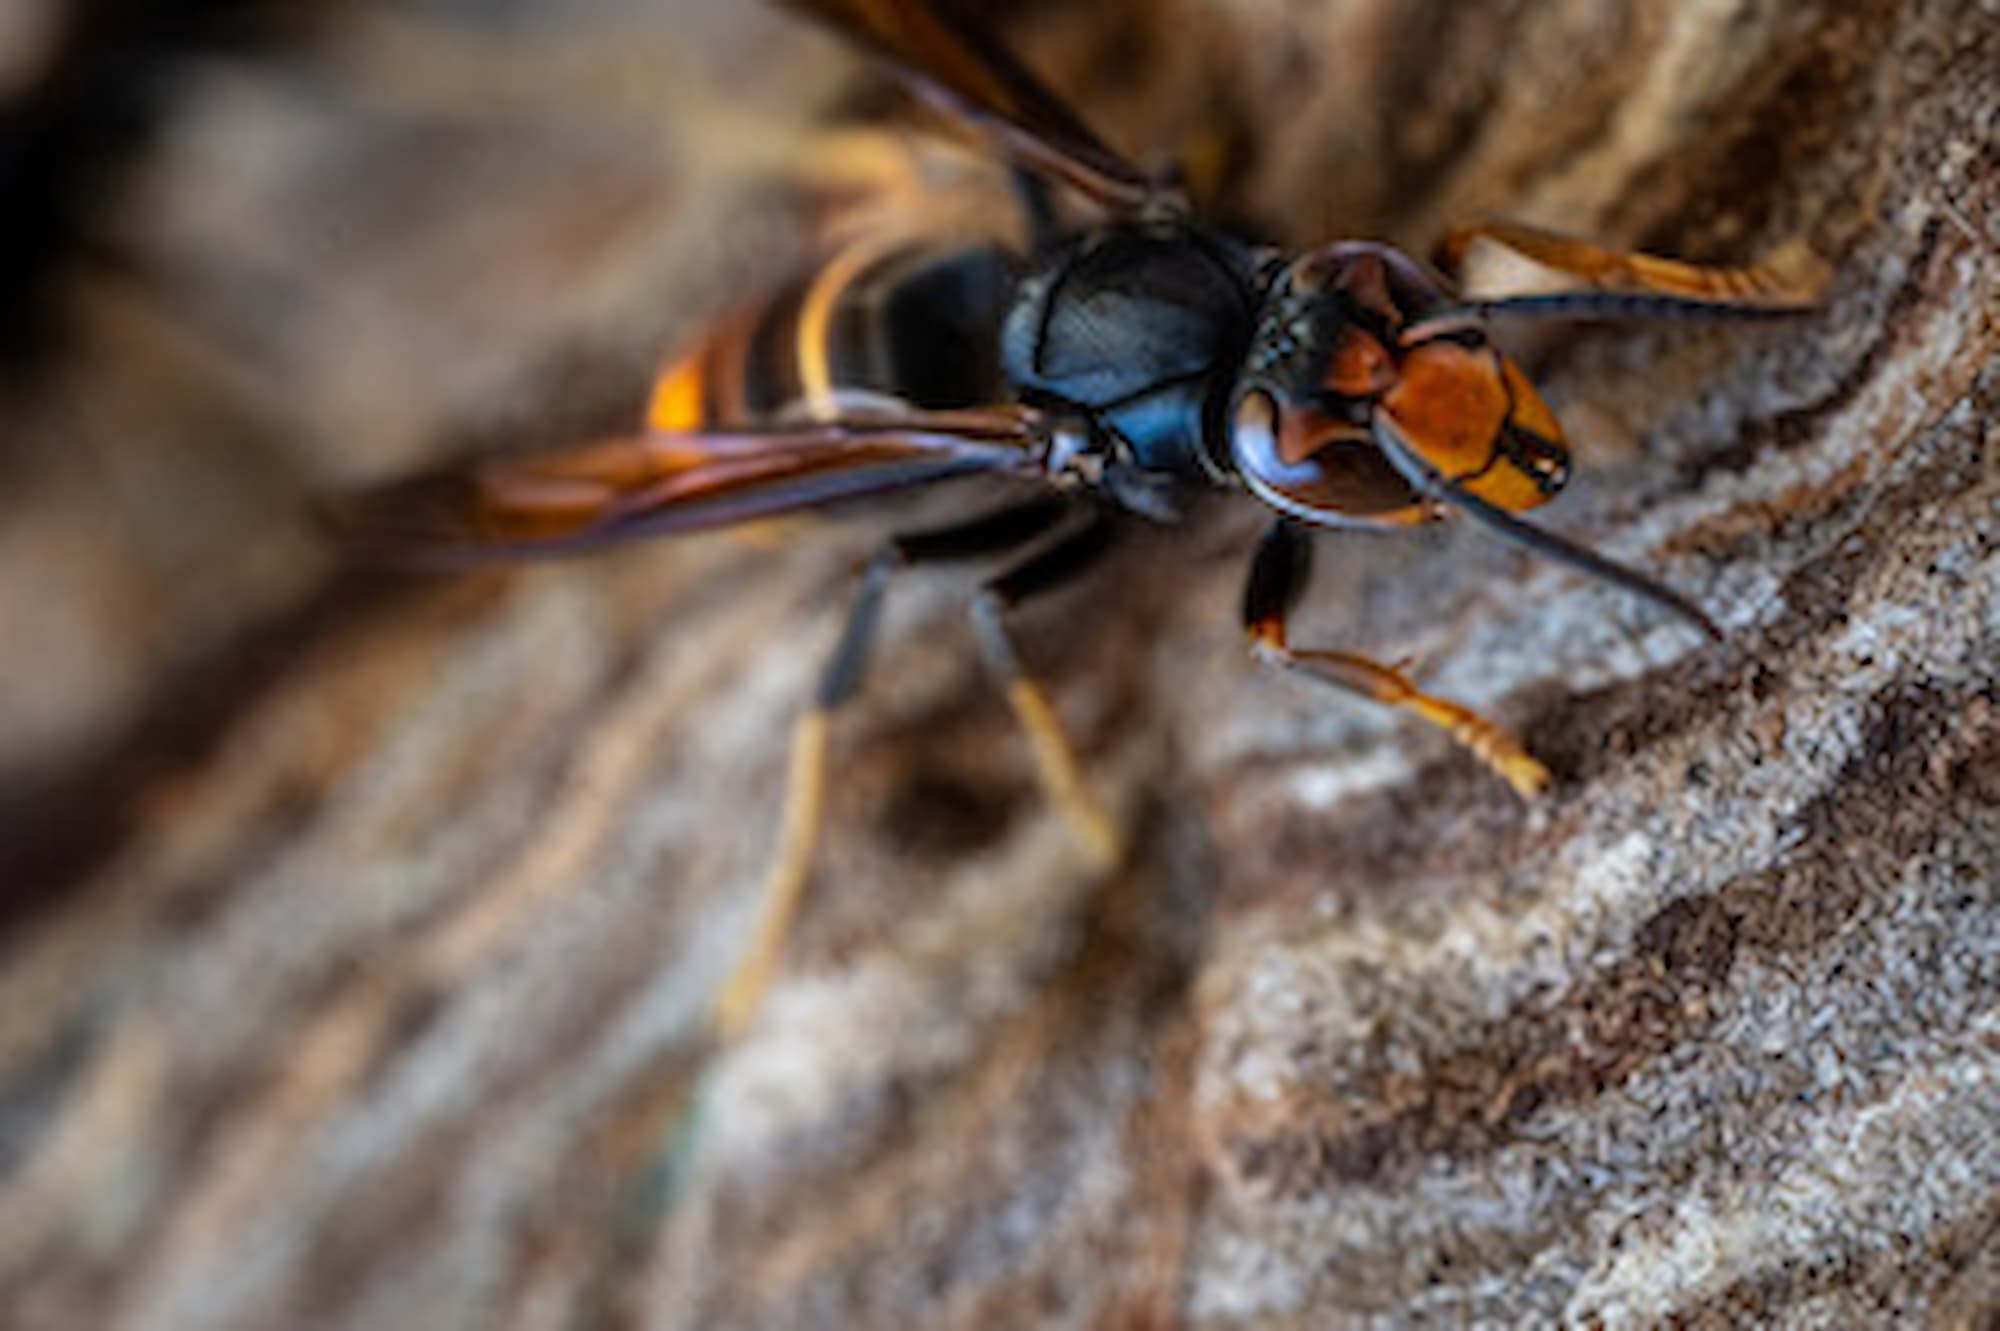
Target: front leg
{"points": [[1278, 576], [1570, 278]]}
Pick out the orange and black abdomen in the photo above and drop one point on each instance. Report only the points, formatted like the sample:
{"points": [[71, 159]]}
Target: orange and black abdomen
{"points": [[909, 323]]}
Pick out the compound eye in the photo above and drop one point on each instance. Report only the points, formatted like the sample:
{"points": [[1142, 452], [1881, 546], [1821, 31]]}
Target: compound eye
{"points": [[1254, 434], [1284, 443], [1306, 463]]}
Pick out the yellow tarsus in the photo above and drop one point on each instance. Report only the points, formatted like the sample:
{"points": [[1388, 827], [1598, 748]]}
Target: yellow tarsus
{"points": [[1486, 741], [741, 995], [1056, 765]]}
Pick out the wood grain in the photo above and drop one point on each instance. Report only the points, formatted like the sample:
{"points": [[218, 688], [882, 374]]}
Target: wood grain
{"points": [[358, 931]]}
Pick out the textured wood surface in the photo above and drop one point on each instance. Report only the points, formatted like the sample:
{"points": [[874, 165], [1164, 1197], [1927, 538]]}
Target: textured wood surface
{"points": [[358, 932]]}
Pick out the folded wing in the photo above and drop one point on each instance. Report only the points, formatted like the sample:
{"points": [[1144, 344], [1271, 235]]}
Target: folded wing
{"points": [[608, 491]]}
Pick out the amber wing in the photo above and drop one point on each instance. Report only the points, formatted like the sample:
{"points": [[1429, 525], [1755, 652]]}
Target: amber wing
{"points": [[608, 491]]}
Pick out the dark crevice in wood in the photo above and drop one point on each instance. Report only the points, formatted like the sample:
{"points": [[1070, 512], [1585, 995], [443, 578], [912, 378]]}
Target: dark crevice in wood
{"points": [[1663, 995]]}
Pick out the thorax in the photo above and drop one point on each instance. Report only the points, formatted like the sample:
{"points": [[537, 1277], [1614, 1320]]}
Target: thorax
{"points": [[1139, 329]]}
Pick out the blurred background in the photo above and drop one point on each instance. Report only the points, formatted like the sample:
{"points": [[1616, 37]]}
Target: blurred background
{"points": [[259, 252], [357, 928]]}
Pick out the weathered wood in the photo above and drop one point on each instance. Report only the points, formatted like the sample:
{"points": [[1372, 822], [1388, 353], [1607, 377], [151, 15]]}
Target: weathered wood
{"points": [[359, 932]]}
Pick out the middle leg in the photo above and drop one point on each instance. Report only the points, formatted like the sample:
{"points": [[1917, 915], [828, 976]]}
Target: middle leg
{"points": [[840, 681], [1052, 566]]}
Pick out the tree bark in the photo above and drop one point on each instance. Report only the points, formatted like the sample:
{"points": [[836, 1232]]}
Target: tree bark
{"points": [[360, 931]]}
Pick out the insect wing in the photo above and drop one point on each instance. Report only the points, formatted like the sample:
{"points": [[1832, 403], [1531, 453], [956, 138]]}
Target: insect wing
{"points": [[943, 48], [608, 491]]}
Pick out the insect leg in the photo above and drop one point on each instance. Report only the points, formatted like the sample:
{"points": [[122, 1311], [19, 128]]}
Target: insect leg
{"points": [[1055, 759], [840, 681], [1590, 282], [1278, 576]]}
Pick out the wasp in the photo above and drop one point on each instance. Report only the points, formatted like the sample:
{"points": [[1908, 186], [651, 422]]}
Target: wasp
{"points": [[1117, 363]]}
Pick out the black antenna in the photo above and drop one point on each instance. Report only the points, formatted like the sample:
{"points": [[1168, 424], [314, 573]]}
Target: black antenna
{"points": [[1432, 484]]}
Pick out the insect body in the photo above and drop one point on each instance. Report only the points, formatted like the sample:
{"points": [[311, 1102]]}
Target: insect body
{"points": [[1118, 365]]}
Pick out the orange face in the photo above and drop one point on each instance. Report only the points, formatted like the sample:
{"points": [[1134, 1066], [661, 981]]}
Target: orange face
{"points": [[1358, 340]]}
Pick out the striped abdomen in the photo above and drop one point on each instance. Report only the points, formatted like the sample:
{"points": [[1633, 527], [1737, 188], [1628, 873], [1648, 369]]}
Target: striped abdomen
{"points": [[913, 322]]}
